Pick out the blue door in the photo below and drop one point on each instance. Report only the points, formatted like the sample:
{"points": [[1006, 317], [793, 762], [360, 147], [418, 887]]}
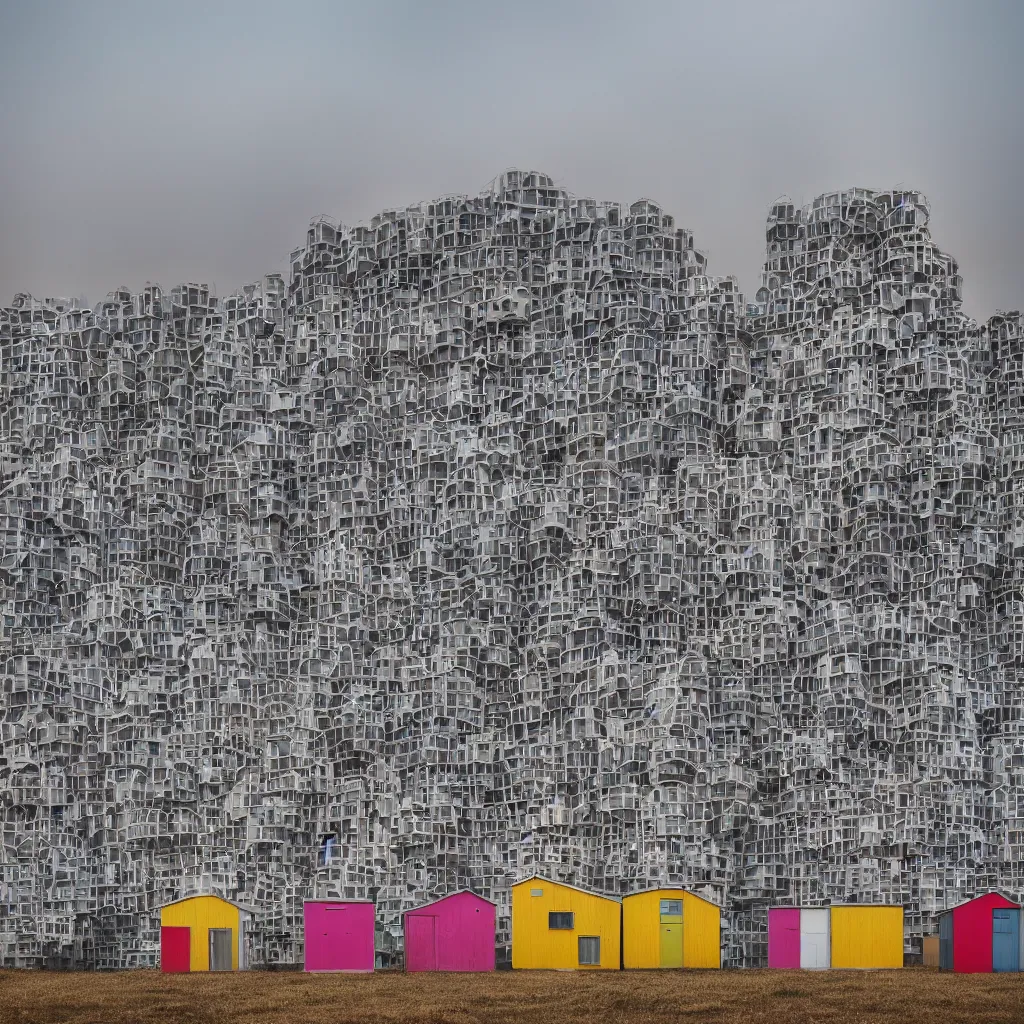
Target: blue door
{"points": [[1005, 940]]}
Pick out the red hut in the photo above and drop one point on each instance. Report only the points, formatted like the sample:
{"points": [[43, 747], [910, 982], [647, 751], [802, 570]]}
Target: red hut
{"points": [[455, 933], [981, 936]]}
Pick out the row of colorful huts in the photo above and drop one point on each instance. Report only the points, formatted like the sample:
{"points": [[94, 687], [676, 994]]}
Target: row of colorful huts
{"points": [[557, 926]]}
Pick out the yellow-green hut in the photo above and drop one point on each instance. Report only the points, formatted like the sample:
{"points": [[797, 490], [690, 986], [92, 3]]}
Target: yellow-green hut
{"points": [[670, 928]]}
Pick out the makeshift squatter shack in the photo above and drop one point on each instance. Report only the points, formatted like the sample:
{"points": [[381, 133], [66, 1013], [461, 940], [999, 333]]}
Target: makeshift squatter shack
{"points": [[455, 933], [981, 936], [670, 928], [558, 926], [842, 936], [338, 935], [203, 933], [798, 937]]}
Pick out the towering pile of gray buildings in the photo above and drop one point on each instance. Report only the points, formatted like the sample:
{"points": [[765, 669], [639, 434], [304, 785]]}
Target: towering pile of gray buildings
{"points": [[504, 538]]}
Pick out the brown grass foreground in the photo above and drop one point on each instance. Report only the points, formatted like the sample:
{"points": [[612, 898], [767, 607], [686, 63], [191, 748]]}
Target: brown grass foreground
{"points": [[773, 997]]}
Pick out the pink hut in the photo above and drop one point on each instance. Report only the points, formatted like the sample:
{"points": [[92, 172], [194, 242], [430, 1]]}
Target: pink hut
{"points": [[339, 935], [455, 933]]}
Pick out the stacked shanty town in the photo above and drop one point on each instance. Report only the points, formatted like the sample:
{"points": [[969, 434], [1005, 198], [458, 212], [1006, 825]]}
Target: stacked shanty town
{"points": [[502, 539]]}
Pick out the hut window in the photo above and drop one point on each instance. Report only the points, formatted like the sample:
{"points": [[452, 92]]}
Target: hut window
{"points": [[536, 892], [672, 907], [561, 921], [590, 949]]}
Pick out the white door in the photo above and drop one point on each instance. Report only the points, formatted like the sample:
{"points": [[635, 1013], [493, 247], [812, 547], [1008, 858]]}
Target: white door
{"points": [[814, 939]]}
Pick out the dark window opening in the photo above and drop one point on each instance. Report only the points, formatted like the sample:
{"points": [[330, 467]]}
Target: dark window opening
{"points": [[590, 950]]}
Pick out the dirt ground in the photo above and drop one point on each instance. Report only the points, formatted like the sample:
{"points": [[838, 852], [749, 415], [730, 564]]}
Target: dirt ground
{"points": [[257, 997]]}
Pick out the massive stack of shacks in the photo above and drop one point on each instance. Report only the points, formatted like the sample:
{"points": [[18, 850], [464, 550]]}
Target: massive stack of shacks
{"points": [[501, 538]]}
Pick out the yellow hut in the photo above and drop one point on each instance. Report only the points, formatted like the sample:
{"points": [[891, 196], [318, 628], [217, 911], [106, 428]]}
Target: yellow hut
{"points": [[867, 936], [203, 933], [670, 928], [560, 927]]}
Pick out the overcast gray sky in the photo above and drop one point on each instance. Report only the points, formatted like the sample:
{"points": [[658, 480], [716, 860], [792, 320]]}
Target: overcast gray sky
{"points": [[185, 141]]}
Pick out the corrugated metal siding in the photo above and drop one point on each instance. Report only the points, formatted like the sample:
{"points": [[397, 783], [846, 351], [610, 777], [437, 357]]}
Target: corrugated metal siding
{"points": [[535, 946], [641, 929], [867, 937], [201, 913], [338, 936], [641, 938], [702, 933], [459, 935], [420, 943]]}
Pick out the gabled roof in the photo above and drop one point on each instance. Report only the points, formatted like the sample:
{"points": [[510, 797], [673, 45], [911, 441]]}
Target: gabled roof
{"points": [[565, 885], [980, 896], [672, 888], [212, 895], [441, 899]]}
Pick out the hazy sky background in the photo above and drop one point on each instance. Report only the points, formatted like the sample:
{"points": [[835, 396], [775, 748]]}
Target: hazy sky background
{"points": [[183, 141]]}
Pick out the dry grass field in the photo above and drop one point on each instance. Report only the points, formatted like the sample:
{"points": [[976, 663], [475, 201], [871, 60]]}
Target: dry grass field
{"points": [[773, 997]]}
